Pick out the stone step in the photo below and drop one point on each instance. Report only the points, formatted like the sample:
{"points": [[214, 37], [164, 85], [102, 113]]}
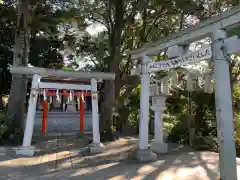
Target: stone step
{"points": [[64, 112], [64, 115], [63, 122], [62, 119], [56, 125], [59, 133]]}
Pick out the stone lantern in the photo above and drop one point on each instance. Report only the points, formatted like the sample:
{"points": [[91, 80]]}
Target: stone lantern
{"points": [[159, 93]]}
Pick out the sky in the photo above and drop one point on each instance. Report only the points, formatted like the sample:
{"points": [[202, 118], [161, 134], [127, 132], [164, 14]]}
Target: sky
{"points": [[95, 28]]}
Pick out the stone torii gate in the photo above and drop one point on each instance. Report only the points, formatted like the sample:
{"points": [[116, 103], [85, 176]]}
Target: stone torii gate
{"points": [[37, 74], [215, 28]]}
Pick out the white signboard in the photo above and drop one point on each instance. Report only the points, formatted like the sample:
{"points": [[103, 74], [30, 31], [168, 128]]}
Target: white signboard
{"points": [[189, 58]]}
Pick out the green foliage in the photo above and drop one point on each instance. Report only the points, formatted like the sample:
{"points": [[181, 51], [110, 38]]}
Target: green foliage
{"points": [[236, 98], [178, 134], [49, 25], [3, 123], [129, 112], [176, 106], [177, 111], [237, 127], [209, 143], [234, 31]]}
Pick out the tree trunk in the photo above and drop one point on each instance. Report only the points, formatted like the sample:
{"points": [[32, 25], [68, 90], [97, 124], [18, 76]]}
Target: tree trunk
{"points": [[17, 99], [106, 110], [112, 88]]}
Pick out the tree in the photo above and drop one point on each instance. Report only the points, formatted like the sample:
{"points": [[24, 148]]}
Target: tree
{"points": [[129, 24], [44, 42], [20, 58]]}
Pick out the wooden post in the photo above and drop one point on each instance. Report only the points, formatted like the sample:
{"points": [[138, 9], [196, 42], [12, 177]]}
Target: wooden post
{"points": [[44, 120], [81, 113]]}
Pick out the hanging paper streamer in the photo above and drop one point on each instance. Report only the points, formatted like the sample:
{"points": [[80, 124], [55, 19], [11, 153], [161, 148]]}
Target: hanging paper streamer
{"points": [[70, 97], [160, 87], [78, 102], [165, 85], [153, 89], [208, 84], [51, 99], [57, 95], [190, 83], [157, 89], [83, 98], [173, 79], [44, 95]]}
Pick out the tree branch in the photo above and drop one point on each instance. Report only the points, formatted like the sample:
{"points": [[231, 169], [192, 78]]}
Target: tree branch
{"points": [[134, 11], [109, 12], [106, 19], [132, 82]]}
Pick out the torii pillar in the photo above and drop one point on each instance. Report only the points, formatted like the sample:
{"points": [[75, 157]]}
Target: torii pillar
{"points": [[26, 148], [224, 112], [144, 153], [96, 146]]}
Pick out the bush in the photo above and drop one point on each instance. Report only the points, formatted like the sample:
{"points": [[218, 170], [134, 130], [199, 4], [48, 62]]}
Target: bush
{"points": [[3, 123], [178, 133], [207, 143]]}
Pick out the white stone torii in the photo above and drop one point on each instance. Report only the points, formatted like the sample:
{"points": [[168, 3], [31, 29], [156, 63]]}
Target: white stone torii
{"points": [[215, 28], [38, 73], [159, 94]]}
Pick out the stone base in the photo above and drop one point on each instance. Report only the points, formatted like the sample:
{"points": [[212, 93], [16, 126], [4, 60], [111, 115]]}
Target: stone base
{"points": [[96, 148], [146, 155], [26, 151], [159, 148]]}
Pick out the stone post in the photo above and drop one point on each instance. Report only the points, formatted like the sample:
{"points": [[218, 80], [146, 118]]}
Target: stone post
{"points": [[144, 153], [224, 113], [96, 146], [26, 148]]}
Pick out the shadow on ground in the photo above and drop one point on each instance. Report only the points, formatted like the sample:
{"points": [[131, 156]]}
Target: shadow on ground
{"points": [[68, 158]]}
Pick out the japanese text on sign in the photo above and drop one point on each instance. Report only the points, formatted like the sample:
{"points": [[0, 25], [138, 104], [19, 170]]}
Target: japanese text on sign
{"points": [[193, 57]]}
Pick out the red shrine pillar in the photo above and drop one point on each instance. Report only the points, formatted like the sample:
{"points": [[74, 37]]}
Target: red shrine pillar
{"points": [[81, 101], [44, 120]]}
